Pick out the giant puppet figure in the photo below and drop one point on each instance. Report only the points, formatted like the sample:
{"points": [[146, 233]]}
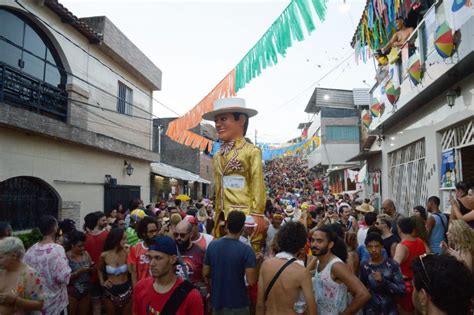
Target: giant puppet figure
{"points": [[238, 169]]}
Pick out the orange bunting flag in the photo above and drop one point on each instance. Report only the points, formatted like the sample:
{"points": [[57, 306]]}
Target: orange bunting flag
{"points": [[178, 129]]}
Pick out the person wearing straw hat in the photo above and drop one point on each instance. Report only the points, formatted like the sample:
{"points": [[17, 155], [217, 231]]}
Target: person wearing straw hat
{"points": [[239, 183], [365, 207]]}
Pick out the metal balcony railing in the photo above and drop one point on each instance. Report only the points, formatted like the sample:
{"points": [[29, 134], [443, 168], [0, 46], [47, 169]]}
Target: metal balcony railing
{"points": [[21, 90]]}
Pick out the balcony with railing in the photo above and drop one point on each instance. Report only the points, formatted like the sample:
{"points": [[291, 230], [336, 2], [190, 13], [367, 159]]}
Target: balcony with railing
{"points": [[22, 90], [425, 66]]}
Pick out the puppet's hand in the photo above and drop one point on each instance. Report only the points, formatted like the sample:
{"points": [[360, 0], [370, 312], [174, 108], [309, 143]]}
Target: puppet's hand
{"points": [[261, 223]]}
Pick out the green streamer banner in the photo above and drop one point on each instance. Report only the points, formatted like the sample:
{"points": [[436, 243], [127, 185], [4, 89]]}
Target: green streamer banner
{"points": [[297, 17]]}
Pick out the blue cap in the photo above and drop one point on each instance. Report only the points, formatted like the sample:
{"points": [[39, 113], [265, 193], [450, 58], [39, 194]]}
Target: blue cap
{"points": [[163, 244]]}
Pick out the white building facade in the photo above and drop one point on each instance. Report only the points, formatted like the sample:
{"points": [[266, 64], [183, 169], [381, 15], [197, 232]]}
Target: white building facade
{"points": [[425, 140], [75, 114]]}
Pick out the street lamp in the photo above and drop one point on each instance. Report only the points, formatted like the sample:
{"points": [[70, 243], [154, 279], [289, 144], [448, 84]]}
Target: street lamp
{"points": [[128, 168], [380, 140], [451, 96]]}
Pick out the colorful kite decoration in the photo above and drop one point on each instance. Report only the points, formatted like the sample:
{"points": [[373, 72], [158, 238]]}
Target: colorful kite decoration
{"points": [[376, 107], [391, 92], [444, 41], [415, 70], [366, 119], [377, 110], [296, 21]]}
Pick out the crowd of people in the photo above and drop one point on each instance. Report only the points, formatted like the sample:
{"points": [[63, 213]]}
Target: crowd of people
{"points": [[322, 254]]}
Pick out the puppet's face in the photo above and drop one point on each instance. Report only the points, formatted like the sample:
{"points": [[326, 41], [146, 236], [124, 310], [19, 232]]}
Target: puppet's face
{"points": [[228, 128]]}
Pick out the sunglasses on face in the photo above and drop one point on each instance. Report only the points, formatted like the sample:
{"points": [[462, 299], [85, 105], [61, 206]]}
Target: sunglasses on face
{"points": [[427, 284], [181, 235]]}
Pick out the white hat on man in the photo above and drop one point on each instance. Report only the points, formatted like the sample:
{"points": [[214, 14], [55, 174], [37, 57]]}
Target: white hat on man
{"points": [[229, 105]]}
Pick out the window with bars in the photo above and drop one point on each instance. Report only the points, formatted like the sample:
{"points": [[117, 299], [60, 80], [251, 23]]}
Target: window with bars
{"points": [[408, 177], [125, 99]]}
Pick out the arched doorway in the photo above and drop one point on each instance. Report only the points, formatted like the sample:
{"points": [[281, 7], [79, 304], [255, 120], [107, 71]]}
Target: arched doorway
{"points": [[23, 200]]}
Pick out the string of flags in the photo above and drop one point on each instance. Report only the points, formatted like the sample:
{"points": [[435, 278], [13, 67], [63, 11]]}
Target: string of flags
{"points": [[270, 152], [297, 19]]}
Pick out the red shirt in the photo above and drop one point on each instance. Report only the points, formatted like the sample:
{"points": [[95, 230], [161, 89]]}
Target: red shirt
{"points": [[137, 256], [415, 248], [193, 260], [147, 301], [95, 245]]}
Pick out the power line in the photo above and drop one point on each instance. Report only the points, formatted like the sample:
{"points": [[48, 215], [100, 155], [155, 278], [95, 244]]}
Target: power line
{"points": [[61, 69], [100, 123], [316, 82], [78, 102], [95, 58]]}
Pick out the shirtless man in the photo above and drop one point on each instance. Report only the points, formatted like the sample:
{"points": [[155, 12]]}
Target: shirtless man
{"points": [[400, 37], [294, 282]]}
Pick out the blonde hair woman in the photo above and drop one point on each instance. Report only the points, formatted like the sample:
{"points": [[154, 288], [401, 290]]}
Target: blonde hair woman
{"points": [[461, 242]]}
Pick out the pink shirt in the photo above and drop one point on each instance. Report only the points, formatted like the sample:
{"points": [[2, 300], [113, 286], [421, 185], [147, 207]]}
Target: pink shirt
{"points": [[50, 261]]}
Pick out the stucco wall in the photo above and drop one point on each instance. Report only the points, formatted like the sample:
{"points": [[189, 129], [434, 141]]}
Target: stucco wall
{"points": [[98, 83], [427, 123], [75, 172]]}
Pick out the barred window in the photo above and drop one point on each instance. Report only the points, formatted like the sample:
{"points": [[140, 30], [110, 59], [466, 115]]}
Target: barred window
{"points": [[125, 99]]}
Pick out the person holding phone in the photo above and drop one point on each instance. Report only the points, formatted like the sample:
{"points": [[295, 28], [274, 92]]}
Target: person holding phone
{"points": [[81, 266]]}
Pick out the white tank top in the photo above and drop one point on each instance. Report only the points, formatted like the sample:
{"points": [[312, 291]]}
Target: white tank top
{"points": [[330, 295]]}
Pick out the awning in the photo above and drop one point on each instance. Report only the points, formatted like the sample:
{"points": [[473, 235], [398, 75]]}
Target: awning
{"points": [[362, 156], [166, 170]]}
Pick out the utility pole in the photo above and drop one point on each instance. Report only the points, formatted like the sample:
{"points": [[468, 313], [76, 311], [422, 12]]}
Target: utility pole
{"points": [[255, 136]]}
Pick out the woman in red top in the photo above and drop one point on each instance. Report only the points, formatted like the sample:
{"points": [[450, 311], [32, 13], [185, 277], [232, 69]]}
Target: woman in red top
{"points": [[408, 249]]}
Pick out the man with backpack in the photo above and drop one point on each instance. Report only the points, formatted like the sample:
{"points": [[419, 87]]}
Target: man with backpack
{"points": [[165, 293], [437, 225]]}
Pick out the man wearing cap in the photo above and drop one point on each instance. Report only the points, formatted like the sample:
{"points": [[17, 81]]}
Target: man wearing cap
{"points": [[239, 183], [165, 293]]}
